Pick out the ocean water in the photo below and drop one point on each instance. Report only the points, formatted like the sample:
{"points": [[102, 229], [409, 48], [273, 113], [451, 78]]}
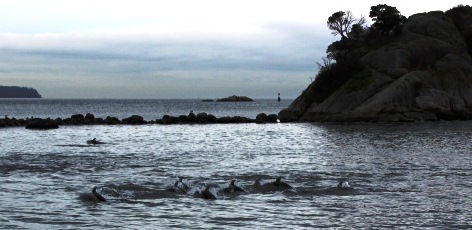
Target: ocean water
{"points": [[150, 109], [401, 175]]}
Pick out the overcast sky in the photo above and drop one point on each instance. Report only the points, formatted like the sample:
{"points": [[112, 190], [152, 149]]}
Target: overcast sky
{"points": [[171, 49]]}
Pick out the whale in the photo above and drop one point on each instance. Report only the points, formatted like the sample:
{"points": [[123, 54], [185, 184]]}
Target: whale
{"points": [[233, 188], [279, 183], [97, 195]]}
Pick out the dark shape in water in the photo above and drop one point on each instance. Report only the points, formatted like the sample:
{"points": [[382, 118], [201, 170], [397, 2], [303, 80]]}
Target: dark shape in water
{"points": [[233, 188], [279, 183], [343, 184], [278, 98], [95, 142], [207, 194], [97, 195], [180, 186], [257, 184]]}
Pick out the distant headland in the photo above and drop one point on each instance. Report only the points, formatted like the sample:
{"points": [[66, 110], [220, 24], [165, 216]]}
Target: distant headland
{"points": [[18, 92]]}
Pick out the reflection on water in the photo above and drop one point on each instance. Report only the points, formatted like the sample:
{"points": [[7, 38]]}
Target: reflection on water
{"points": [[401, 175]]}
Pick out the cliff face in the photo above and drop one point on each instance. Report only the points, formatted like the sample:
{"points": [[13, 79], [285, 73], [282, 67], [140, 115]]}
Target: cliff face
{"points": [[18, 92], [425, 74]]}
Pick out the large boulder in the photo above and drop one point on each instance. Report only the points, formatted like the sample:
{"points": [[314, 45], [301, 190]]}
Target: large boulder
{"points": [[112, 120], [89, 118], [424, 74], [78, 118], [134, 120]]}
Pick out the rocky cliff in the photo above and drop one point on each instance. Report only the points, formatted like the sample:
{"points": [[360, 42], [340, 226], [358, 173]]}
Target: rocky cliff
{"points": [[424, 74]]}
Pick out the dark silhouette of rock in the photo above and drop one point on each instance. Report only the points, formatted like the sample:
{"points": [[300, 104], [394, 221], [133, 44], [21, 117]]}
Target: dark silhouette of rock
{"points": [[89, 118], [69, 121], [192, 117], [224, 120], [235, 98], [99, 120], [135, 120], [183, 119], [169, 120], [211, 118], [112, 120], [272, 118], [59, 121], [202, 117], [79, 118], [207, 100], [423, 74], [261, 118], [18, 92], [38, 123]]}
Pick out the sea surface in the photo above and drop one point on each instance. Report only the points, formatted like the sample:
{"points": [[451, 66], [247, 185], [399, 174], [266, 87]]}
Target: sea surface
{"points": [[149, 109], [400, 175]]}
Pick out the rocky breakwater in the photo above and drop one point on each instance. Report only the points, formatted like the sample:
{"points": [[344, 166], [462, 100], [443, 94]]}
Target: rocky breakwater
{"points": [[424, 74], [90, 119]]}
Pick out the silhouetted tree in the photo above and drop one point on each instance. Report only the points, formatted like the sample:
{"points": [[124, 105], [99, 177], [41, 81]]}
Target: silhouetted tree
{"points": [[342, 23], [387, 19], [462, 17]]}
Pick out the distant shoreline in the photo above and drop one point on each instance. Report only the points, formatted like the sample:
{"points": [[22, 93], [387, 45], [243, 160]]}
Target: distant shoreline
{"points": [[7, 92]]}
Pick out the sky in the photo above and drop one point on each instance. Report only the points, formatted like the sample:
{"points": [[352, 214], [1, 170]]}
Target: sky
{"points": [[172, 49]]}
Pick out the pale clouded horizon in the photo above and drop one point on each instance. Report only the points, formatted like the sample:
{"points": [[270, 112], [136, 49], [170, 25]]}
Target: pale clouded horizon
{"points": [[170, 49]]}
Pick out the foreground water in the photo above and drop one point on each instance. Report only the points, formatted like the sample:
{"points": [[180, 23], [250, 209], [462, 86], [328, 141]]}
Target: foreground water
{"points": [[410, 175]]}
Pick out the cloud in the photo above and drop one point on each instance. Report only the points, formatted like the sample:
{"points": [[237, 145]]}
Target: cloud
{"points": [[160, 64]]}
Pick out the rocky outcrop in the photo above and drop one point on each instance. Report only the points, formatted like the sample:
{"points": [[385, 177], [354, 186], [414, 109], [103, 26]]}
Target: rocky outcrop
{"points": [[235, 98], [134, 120], [90, 119], [42, 124], [425, 74]]}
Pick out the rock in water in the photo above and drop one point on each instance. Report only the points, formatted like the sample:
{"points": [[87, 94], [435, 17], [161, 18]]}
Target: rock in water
{"points": [[235, 98], [42, 124], [423, 74]]}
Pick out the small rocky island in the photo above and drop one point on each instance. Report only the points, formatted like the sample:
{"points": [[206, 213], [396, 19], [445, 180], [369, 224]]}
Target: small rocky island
{"points": [[418, 70], [235, 98], [18, 92]]}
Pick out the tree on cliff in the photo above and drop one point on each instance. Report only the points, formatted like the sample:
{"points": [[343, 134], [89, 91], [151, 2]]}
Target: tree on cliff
{"points": [[387, 19], [343, 23], [461, 16]]}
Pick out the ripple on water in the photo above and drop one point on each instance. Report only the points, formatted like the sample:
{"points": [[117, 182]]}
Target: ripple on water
{"points": [[401, 176]]}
